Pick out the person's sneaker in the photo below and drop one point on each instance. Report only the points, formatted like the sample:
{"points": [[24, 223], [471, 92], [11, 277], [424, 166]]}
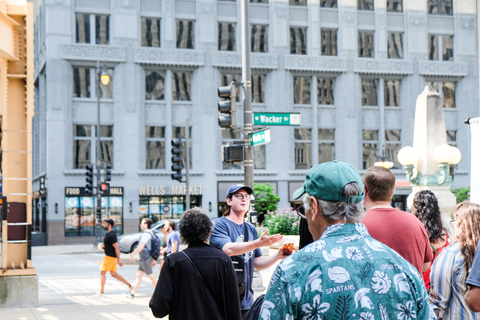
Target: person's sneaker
{"points": [[129, 295], [99, 295]]}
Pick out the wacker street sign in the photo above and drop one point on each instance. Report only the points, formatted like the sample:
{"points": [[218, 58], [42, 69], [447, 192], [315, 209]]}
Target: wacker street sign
{"points": [[276, 119], [260, 137]]}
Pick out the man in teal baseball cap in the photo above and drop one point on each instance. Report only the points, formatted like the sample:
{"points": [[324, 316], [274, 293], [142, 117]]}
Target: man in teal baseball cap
{"points": [[344, 268]]}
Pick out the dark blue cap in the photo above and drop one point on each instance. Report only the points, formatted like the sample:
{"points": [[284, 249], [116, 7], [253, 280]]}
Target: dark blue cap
{"points": [[110, 221], [237, 187]]}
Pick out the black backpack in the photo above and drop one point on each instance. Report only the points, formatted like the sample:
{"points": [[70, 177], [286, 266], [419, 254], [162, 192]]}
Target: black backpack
{"points": [[156, 245]]}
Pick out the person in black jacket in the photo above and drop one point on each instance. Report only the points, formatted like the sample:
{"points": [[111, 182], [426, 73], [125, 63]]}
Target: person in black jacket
{"points": [[198, 282]]}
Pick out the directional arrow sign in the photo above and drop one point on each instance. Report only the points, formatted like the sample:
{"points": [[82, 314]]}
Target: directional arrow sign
{"points": [[276, 119], [260, 137]]}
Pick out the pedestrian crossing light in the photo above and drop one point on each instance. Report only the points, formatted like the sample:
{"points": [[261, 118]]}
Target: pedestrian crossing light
{"points": [[108, 172], [89, 180], [177, 159], [99, 214], [227, 106]]}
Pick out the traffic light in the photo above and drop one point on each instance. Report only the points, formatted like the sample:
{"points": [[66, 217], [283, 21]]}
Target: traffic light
{"points": [[104, 187], [108, 172], [89, 180], [177, 159], [232, 153], [227, 106], [99, 214]]}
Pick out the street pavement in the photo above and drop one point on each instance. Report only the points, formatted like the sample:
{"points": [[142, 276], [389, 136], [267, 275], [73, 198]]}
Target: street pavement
{"points": [[68, 279]]}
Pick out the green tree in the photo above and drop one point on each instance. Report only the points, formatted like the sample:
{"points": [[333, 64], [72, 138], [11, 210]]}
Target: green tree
{"points": [[265, 200], [462, 194]]}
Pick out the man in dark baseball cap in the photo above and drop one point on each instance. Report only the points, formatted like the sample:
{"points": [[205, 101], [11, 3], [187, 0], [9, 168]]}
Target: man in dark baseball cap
{"points": [[109, 221]]}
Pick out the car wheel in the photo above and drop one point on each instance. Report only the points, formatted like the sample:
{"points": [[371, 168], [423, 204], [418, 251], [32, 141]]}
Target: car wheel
{"points": [[134, 246]]}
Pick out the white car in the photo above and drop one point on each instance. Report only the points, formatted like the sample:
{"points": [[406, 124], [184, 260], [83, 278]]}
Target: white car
{"points": [[129, 242]]}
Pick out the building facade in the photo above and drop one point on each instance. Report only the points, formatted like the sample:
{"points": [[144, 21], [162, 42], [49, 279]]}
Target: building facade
{"points": [[352, 69]]}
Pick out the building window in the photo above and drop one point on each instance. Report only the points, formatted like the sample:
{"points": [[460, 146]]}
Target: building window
{"points": [[229, 137], [102, 29], [395, 45], [391, 89], [301, 90], [326, 145], [258, 88], [181, 85], [185, 34], [259, 157], [226, 36], [303, 148], [370, 147], [258, 1], [83, 30], [394, 5], [369, 92], [297, 2], [155, 147], [325, 91], [298, 40], [179, 132], [259, 37], [82, 27], [452, 137], [150, 32], [365, 5], [81, 82], [160, 208], [85, 141], [329, 42], [392, 146], [155, 85], [365, 44], [442, 7], [328, 3], [446, 91], [440, 47]]}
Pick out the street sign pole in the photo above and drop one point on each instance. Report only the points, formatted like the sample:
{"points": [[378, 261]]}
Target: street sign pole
{"points": [[247, 94], [187, 164]]}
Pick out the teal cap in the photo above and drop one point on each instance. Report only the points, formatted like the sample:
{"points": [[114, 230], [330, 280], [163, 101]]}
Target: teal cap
{"points": [[326, 181]]}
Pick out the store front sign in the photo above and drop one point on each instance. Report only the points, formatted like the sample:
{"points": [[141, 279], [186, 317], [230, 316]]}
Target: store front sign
{"points": [[168, 190]]}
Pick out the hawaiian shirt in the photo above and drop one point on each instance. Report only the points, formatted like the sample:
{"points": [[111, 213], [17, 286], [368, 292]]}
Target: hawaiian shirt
{"points": [[346, 274]]}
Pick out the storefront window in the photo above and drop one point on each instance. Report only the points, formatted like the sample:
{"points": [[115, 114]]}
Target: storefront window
{"points": [[164, 207]]}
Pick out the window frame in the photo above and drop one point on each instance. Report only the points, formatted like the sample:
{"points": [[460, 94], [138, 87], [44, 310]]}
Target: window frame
{"points": [[159, 23], [308, 153], [158, 140], [93, 143]]}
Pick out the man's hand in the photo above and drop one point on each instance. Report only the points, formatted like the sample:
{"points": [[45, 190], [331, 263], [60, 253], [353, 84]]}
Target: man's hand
{"points": [[119, 262], [154, 263], [269, 240], [131, 257]]}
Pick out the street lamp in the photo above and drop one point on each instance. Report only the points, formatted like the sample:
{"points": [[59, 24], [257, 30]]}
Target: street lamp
{"points": [[383, 161]]}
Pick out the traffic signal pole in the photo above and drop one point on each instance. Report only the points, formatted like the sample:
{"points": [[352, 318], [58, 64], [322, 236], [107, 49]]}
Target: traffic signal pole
{"points": [[187, 164], [98, 220], [247, 94]]}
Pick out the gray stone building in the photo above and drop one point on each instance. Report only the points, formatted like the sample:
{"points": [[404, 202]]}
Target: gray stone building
{"points": [[351, 68]]}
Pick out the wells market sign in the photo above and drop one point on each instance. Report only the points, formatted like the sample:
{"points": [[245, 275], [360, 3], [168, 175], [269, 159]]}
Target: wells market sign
{"points": [[168, 190]]}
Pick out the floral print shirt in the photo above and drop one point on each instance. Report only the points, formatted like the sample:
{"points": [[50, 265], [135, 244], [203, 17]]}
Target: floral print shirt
{"points": [[346, 274]]}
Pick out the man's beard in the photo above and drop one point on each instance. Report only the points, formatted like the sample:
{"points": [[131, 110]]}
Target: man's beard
{"points": [[105, 228]]}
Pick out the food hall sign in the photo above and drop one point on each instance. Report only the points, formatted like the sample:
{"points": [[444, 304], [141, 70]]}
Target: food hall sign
{"points": [[168, 190]]}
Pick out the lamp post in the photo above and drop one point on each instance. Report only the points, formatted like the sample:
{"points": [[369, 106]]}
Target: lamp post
{"points": [[103, 78], [383, 161]]}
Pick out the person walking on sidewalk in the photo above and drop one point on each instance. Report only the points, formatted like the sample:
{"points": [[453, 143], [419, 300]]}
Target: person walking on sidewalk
{"points": [[173, 240], [146, 262], [112, 257]]}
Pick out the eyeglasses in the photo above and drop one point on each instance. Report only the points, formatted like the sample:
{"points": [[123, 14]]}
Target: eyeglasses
{"points": [[301, 212], [453, 222], [241, 196]]}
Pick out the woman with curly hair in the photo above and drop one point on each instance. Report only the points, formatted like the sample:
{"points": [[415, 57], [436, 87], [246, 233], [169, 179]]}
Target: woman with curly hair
{"points": [[425, 208], [451, 268]]}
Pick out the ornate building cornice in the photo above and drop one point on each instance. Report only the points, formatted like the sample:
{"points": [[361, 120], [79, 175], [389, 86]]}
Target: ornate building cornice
{"points": [[315, 64], [92, 52], [169, 57], [443, 68], [383, 66], [228, 59]]}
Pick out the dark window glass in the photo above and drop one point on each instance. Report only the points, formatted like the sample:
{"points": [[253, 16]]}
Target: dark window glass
{"points": [[259, 37], [226, 36], [365, 44], [326, 145], [393, 146], [297, 2], [442, 7], [365, 5], [258, 88], [328, 3], [303, 148], [301, 90], [448, 94], [181, 85], [83, 27], [155, 85], [447, 47], [102, 29], [259, 160], [325, 91], [369, 92], [81, 82], [150, 32], [185, 34], [298, 40], [259, 1], [395, 45], [155, 147], [369, 147], [329, 42], [394, 5], [391, 93], [433, 47], [452, 137], [82, 154]]}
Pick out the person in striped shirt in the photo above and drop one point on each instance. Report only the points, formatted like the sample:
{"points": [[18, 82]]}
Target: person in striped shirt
{"points": [[451, 268]]}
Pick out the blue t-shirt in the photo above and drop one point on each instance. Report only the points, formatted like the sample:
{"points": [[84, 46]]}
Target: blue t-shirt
{"points": [[172, 237], [474, 275], [226, 231]]}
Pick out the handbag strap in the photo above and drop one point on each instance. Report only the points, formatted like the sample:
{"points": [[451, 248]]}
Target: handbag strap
{"points": [[201, 278], [245, 233]]}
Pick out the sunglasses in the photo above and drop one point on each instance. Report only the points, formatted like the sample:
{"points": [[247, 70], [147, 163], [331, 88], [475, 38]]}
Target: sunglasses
{"points": [[301, 212]]}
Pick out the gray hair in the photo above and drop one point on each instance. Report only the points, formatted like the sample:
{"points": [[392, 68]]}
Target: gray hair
{"points": [[337, 210]]}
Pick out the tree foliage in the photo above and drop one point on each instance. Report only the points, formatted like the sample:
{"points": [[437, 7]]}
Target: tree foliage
{"points": [[462, 194], [265, 199]]}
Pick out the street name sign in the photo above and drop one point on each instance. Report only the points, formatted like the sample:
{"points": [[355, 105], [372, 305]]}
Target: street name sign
{"points": [[260, 137], [276, 119]]}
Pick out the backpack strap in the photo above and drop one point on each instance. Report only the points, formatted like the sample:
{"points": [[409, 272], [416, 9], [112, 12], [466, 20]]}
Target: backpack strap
{"points": [[151, 240]]}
